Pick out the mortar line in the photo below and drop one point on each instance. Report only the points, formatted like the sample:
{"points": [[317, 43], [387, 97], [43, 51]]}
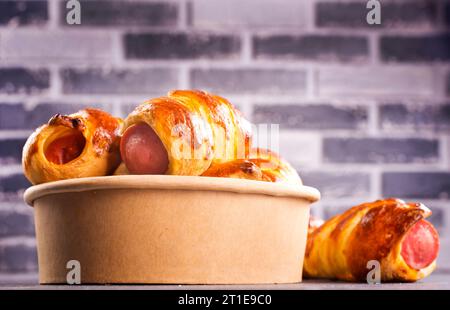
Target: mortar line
{"points": [[54, 14]]}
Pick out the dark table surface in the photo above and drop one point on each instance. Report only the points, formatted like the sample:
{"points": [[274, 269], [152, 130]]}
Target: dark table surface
{"points": [[437, 281]]}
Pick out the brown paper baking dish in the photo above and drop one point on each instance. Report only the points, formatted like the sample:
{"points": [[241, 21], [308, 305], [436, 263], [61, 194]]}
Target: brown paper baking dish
{"points": [[171, 229]]}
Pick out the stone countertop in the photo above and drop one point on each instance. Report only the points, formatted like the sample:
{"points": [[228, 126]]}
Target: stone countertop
{"points": [[437, 281]]}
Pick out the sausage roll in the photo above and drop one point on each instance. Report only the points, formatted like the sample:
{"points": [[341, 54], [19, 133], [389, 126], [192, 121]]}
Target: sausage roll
{"points": [[390, 231], [262, 165], [83, 144], [183, 134]]}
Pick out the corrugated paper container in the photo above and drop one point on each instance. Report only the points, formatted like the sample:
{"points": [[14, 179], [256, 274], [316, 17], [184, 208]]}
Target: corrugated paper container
{"points": [[171, 229]]}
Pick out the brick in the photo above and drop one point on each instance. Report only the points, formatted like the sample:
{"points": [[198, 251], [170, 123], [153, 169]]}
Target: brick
{"points": [[15, 223], [118, 81], [181, 46], [316, 211], [415, 48], [380, 150], [15, 116], [338, 184], [313, 47], [447, 13], [126, 108], [12, 186], [311, 116], [448, 84], [443, 260], [23, 12], [11, 151], [18, 258], [240, 81], [20, 80], [44, 111], [417, 117], [332, 210], [125, 13], [301, 149], [393, 14], [12, 116], [238, 13], [56, 45], [380, 81], [437, 218], [416, 184]]}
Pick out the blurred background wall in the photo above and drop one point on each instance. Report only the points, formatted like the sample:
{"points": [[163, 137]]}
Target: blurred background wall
{"points": [[363, 110]]}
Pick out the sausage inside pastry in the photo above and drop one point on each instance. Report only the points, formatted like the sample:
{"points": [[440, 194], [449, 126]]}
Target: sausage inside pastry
{"points": [[188, 132], [83, 144], [262, 165], [183, 134], [390, 231]]}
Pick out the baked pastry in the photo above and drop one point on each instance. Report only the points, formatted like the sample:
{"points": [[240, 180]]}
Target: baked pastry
{"points": [[183, 134], [390, 231], [83, 144], [121, 170], [262, 165]]}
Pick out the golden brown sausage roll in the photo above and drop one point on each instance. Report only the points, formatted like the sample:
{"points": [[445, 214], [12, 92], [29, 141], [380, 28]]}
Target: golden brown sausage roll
{"points": [[390, 231], [183, 134], [82, 144], [262, 165]]}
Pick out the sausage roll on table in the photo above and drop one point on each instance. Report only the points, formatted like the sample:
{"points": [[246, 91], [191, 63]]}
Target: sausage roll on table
{"points": [[390, 231]]}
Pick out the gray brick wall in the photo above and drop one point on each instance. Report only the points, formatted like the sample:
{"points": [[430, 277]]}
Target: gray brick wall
{"points": [[364, 111]]}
